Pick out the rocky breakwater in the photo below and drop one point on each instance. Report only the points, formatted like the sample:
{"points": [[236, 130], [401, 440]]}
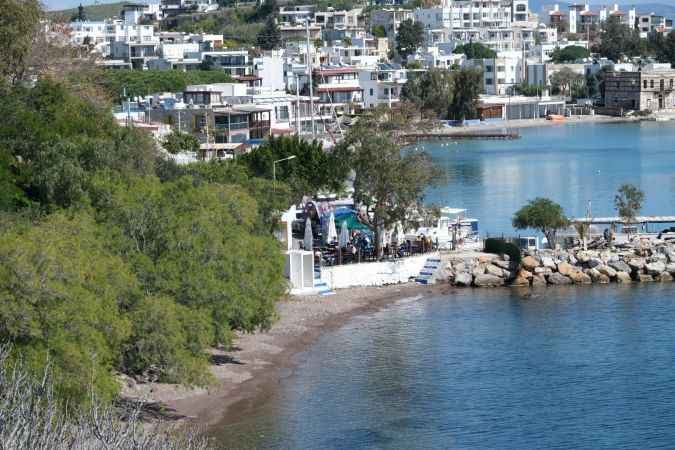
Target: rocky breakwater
{"points": [[638, 262]]}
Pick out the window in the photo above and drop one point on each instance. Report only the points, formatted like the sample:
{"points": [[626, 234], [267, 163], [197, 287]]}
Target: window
{"points": [[645, 84], [371, 92], [488, 81], [651, 84], [662, 84], [282, 113], [373, 76], [488, 69]]}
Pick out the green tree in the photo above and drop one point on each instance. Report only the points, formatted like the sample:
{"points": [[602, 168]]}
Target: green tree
{"points": [[564, 80], [618, 40], [388, 182], [541, 214], [312, 170], [19, 24], [528, 90], [378, 31], [269, 37], [569, 54], [468, 86], [63, 296], [628, 202], [178, 142], [410, 36], [432, 91], [475, 50]]}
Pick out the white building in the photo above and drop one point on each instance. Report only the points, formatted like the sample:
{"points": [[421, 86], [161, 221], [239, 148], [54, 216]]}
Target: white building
{"points": [[382, 84], [500, 75], [390, 19], [338, 89]]}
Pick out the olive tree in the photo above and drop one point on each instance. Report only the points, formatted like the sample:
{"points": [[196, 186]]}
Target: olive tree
{"points": [[628, 202], [541, 214]]}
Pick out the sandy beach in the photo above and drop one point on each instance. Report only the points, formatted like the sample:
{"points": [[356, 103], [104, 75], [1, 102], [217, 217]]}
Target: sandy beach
{"points": [[246, 374]]}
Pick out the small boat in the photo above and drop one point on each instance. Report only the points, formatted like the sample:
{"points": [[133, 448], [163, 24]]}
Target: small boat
{"points": [[662, 119]]}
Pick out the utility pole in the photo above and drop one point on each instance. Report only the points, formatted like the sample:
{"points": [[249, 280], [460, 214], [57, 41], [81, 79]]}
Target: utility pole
{"points": [[309, 78], [297, 105]]}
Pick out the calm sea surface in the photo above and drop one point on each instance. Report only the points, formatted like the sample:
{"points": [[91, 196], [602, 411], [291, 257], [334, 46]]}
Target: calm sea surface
{"points": [[570, 164], [565, 368]]}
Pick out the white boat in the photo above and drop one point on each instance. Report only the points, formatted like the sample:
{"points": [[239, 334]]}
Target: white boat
{"points": [[453, 230]]}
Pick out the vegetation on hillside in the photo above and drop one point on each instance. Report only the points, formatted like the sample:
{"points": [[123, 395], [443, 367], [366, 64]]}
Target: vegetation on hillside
{"points": [[475, 50], [92, 12]]}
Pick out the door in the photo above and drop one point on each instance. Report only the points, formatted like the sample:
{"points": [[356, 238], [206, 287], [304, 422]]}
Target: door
{"points": [[661, 102]]}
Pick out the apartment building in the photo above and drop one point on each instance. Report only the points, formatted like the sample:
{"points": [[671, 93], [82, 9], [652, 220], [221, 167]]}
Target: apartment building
{"points": [[382, 84], [390, 19], [338, 25], [653, 23], [338, 88], [234, 62], [500, 75]]}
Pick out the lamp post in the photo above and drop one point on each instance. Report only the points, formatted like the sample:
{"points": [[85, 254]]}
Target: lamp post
{"points": [[274, 170]]}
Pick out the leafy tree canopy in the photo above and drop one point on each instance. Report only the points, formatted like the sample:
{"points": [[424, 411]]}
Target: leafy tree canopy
{"points": [[432, 91], [410, 36], [541, 214], [570, 53], [475, 50], [269, 37], [178, 142], [628, 202], [468, 86]]}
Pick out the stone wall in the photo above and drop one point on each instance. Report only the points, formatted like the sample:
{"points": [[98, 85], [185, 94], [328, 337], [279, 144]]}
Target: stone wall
{"points": [[637, 262]]}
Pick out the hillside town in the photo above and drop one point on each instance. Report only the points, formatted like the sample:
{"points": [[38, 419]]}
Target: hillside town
{"points": [[312, 68]]}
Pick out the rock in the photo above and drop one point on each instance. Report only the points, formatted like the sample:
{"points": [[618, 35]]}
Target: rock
{"points": [[579, 277], [506, 257], [485, 259], [572, 260], [520, 281], [538, 280], [670, 254], [503, 264], [542, 270], [623, 278], [620, 266], [655, 268], [529, 263], [565, 268], [488, 280], [583, 257], [611, 273], [558, 278], [670, 268], [463, 279], [522, 273], [491, 269], [547, 261], [644, 278], [594, 274], [636, 264], [594, 262], [664, 277], [478, 270], [508, 275]]}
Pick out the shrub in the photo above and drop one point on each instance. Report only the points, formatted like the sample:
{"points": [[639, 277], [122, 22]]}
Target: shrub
{"points": [[501, 247]]}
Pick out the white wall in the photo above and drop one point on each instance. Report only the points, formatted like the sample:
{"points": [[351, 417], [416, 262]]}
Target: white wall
{"points": [[374, 273]]}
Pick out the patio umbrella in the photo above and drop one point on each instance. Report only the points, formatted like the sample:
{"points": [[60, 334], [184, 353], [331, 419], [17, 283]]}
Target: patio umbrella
{"points": [[331, 235], [398, 236], [308, 241], [344, 235]]}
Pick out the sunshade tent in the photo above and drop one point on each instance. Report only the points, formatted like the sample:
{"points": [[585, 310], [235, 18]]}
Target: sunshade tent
{"points": [[331, 234], [352, 222]]}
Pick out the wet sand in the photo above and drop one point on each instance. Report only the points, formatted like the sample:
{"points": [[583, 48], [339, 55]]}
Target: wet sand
{"points": [[249, 373]]}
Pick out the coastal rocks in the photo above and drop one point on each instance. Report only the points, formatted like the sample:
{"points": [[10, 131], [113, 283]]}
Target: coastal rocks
{"points": [[520, 281], [664, 277], [620, 266], [529, 263], [606, 270], [488, 280], [538, 280], [670, 268], [623, 278], [655, 268], [556, 278], [636, 264], [644, 278], [579, 277], [463, 279], [565, 268], [547, 261], [491, 269]]}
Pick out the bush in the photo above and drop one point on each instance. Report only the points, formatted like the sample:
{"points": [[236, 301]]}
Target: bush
{"points": [[501, 247]]}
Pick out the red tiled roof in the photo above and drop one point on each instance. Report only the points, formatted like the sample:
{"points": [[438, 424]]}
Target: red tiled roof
{"points": [[587, 13], [618, 13], [556, 13]]}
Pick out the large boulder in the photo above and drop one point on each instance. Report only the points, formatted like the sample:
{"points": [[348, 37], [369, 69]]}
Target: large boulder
{"points": [[611, 273], [478, 270], [502, 264], [529, 263], [620, 266], [644, 278], [664, 277], [636, 264], [491, 269], [623, 278], [486, 259], [565, 268], [520, 281], [558, 278], [488, 280], [594, 274], [538, 280], [543, 270], [655, 268], [463, 279], [579, 277], [547, 261], [522, 273], [670, 268], [594, 262]]}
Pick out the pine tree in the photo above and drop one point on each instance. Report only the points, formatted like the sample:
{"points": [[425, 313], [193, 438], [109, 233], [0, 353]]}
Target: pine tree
{"points": [[269, 37]]}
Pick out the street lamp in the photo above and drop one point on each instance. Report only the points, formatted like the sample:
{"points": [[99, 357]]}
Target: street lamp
{"points": [[274, 169]]}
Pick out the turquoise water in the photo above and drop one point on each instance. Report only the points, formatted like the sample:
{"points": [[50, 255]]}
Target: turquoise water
{"points": [[570, 164], [566, 368]]}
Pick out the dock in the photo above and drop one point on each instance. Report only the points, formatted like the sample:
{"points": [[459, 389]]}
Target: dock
{"points": [[611, 220], [490, 135]]}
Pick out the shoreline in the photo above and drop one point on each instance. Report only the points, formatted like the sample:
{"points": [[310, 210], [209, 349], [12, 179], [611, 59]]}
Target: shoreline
{"points": [[246, 375]]}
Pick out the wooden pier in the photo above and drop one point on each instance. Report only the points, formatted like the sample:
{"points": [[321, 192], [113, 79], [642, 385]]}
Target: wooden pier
{"points": [[638, 220], [491, 135]]}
